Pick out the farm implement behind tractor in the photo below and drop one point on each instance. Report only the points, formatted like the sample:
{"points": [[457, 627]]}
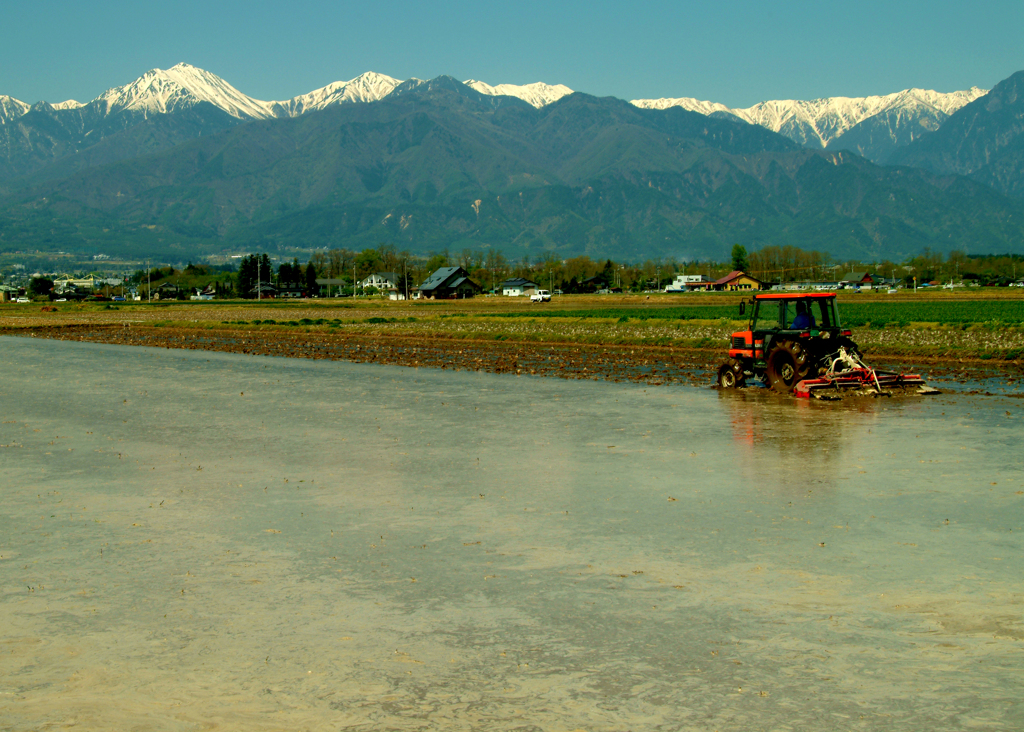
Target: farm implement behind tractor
{"points": [[796, 344]]}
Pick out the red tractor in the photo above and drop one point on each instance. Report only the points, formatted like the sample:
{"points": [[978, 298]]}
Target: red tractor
{"points": [[795, 343]]}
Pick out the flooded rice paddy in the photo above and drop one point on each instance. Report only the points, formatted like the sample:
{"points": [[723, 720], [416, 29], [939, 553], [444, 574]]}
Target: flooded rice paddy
{"points": [[195, 540]]}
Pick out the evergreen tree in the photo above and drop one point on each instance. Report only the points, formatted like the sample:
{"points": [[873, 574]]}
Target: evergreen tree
{"points": [[40, 286], [739, 258], [266, 270], [246, 276], [312, 287], [253, 269]]}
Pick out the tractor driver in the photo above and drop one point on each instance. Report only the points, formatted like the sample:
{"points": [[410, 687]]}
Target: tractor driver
{"points": [[803, 320]]}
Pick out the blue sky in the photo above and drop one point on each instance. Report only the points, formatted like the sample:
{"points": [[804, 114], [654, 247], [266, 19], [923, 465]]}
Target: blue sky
{"points": [[736, 52]]}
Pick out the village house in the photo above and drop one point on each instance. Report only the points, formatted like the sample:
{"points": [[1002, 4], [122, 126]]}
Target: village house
{"points": [[857, 278], [291, 290], [448, 282], [688, 283], [167, 291], [517, 287], [380, 280], [67, 283], [207, 293], [737, 281], [264, 291], [332, 285]]}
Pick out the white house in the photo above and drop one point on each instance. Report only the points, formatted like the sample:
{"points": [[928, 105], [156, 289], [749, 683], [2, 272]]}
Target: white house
{"points": [[686, 283], [518, 286], [380, 280]]}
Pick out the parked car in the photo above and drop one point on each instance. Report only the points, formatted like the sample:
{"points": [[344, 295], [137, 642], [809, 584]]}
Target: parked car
{"points": [[541, 296]]}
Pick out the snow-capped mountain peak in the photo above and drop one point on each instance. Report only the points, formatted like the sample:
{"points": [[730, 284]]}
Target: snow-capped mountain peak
{"points": [[159, 91], [889, 121], [538, 94], [11, 108], [368, 87], [819, 121]]}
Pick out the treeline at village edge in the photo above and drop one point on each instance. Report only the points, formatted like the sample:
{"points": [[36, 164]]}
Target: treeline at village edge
{"points": [[384, 269]]}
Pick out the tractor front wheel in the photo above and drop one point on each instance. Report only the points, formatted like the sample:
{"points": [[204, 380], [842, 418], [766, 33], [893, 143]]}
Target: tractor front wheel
{"points": [[787, 365]]}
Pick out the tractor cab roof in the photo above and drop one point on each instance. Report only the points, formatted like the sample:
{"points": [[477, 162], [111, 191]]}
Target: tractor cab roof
{"points": [[794, 295]]}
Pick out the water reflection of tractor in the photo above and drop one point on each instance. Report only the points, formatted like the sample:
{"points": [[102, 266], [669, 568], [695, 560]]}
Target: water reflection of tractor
{"points": [[796, 343]]}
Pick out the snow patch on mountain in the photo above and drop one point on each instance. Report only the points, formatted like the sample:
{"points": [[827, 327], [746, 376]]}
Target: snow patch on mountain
{"points": [[687, 103], [368, 87], [817, 122], [538, 94]]}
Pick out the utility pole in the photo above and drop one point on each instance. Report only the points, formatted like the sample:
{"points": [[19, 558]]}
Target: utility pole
{"points": [[149, 283]]}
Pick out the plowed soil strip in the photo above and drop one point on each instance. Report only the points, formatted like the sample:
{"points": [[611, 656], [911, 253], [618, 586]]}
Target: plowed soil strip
{"points": [[653, 365], [644, 364]]}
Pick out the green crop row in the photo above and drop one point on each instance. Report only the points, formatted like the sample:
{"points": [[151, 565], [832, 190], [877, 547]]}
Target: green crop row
{"points": [[855, 315], [970, 312]]}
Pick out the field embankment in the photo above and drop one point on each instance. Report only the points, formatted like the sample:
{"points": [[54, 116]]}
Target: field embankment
{"points": [[652, 339]]}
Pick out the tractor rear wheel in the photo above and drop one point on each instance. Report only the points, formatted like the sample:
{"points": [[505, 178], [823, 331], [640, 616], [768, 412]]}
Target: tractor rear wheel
{"points": [[788, 364], [730, 376]]}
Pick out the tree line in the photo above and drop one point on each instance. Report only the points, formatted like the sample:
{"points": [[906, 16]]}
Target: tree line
{"points": [[489, 268]]}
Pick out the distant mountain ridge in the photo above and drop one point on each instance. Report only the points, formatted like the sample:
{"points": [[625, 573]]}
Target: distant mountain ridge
{"points": [[436, 164], [165, 91], [814, 123], [180, 160], [983, 140], [873, 127], [833, 123], [538, 94], [368, 87]]}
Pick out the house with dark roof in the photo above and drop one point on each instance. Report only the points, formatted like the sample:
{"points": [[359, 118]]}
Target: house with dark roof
{"points": [[449, 282], [290, 290], [858, 278], [207, 293], [264, 291], [518, 286], [380, 280], [167, 291]]}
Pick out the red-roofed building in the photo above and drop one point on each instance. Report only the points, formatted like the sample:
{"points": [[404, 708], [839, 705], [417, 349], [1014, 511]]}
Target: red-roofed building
{"points": [[737, 281]]}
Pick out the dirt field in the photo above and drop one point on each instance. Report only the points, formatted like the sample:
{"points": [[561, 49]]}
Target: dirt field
{"points": [[496, 335]]}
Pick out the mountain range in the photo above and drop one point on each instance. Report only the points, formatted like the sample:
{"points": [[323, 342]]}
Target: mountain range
{"points": [[873, 127], [180, 160]]}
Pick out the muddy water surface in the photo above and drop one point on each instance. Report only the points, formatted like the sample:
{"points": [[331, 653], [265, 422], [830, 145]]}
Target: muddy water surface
{"points": [[202, 540]]}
